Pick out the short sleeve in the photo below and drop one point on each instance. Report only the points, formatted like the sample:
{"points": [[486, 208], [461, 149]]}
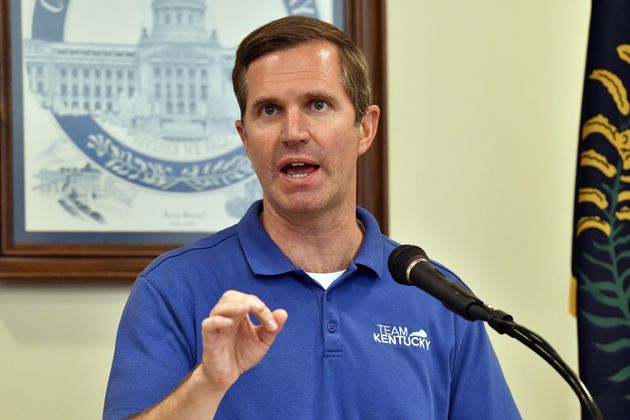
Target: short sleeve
{"points": [[479, 389], [153, 353]]}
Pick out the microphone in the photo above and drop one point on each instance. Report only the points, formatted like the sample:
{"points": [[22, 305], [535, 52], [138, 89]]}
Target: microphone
{"points": [[410, 266]]}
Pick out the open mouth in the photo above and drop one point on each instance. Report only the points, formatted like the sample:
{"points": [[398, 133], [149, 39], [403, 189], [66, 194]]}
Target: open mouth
{"points": [[297, 170]]}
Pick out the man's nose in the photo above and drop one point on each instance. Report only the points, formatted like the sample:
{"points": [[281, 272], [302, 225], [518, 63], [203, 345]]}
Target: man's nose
{"points": [[295, 127]]}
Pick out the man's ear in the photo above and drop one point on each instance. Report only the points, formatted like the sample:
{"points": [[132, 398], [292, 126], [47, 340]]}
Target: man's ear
{"points": [[368, 127], [240, 129]]}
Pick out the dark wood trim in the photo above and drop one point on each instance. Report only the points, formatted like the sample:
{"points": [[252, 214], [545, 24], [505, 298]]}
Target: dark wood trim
{"points": [[71, 268], [367, 25], [5, 130], [365, 21]]}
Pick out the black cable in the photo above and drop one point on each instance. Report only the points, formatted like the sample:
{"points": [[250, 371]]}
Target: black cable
{"points": [[549, 354]]}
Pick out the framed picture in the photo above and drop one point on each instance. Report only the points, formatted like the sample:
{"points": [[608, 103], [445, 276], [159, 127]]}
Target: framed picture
{"points": [[117, 137]]}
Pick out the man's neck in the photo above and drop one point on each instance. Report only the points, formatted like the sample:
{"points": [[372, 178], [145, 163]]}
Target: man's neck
{"points": [[319, 244]]}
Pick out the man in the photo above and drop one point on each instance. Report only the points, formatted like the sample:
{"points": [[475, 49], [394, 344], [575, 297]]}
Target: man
{"points": [[348, 342]]}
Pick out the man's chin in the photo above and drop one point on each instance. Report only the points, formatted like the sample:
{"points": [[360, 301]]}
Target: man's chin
{"points": [[299, 204], [302, 207]]}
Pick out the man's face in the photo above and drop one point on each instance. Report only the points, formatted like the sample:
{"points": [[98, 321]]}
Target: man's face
{"points": [[299, 130]]}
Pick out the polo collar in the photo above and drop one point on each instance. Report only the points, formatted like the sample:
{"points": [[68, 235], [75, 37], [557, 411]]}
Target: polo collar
{"points": [[263, 255], [371, 251], [265, 258]]}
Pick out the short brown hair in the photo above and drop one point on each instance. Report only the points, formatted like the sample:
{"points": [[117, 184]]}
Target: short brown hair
{"points": [[292, 31]]}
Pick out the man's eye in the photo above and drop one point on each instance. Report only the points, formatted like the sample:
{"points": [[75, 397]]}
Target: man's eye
{"points": [[269, 109], [319, 105]]}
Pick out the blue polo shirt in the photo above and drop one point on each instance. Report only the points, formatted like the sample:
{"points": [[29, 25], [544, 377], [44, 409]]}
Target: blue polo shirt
{"points": [[365, 348]]}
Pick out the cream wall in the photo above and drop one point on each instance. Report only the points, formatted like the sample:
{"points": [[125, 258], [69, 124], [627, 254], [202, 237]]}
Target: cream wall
{"points": [[484, 106], [483, 113], [56, 346]]}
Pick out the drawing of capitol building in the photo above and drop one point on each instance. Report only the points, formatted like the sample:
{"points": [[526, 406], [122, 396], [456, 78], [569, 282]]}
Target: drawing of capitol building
{"points": [[174, 84]]}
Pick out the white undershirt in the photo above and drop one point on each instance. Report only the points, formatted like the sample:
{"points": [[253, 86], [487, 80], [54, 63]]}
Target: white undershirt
{"points": [[326, 279]]}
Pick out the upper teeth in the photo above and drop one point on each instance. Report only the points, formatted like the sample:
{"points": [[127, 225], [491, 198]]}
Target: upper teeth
{"points": [[297, 164]]}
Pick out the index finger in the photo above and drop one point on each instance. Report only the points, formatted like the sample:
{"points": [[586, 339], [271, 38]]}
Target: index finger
{"points": [[254, 304]]}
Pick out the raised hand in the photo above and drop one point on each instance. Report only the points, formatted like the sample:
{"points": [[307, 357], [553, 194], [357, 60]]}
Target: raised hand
{"points": [[232, 343]]}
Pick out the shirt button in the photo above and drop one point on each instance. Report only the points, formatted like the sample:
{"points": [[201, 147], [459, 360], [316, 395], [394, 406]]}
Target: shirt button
{"points": [[332, 327]]}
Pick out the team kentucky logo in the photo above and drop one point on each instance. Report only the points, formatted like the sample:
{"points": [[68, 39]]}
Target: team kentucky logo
{"points": [[400, 336], [603, 214], [158, 113]]}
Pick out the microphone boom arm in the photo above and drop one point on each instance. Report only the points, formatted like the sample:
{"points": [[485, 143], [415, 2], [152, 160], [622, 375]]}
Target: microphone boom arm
{"points": [[547, 352]]}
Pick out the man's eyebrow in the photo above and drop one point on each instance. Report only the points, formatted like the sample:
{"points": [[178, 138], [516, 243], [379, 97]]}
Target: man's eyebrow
{"points": [[319, 95], [264, 100]]}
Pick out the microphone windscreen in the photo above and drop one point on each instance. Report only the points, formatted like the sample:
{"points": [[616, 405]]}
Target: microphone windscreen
{"points": [[399, 260]]}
